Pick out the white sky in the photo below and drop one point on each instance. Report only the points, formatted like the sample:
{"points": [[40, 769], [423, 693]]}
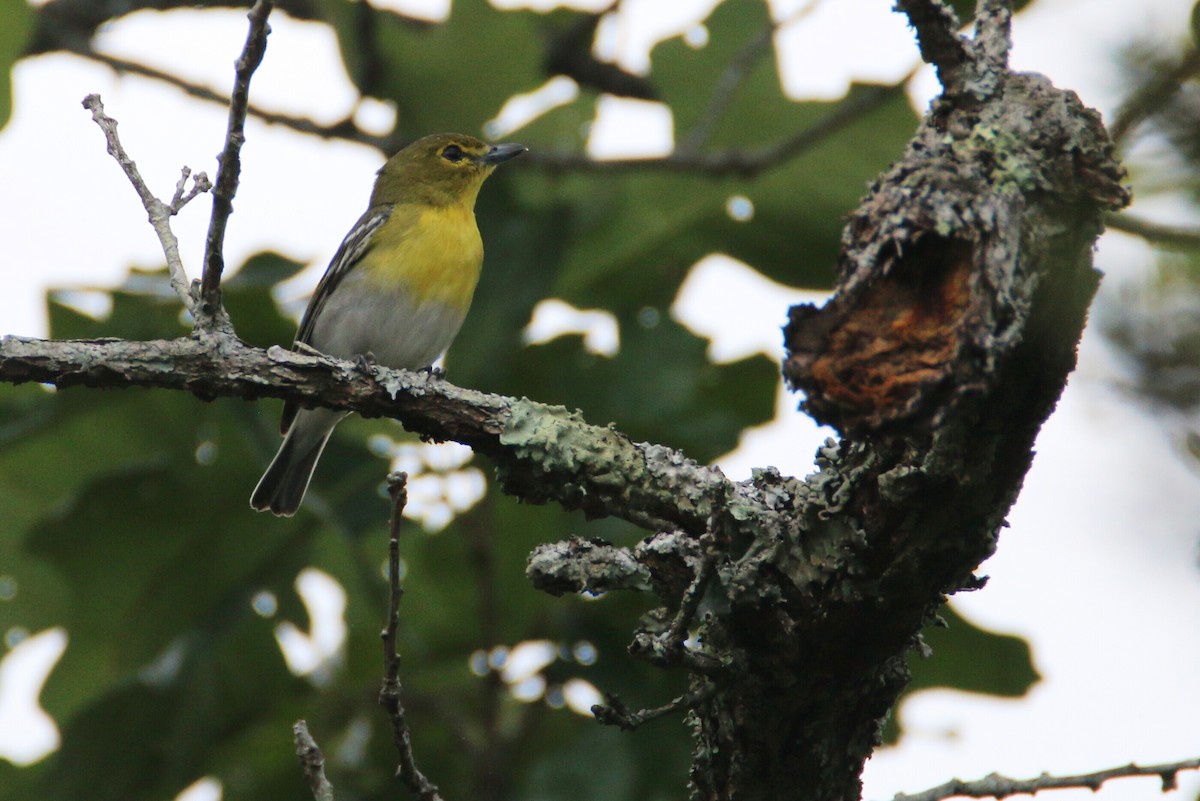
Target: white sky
{"points": [[1099, 569]]}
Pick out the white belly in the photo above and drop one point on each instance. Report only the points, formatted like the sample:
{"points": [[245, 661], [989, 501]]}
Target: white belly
{"points": [[385, 323]]}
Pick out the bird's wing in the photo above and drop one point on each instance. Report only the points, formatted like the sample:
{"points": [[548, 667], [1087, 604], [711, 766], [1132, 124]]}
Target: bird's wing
{"points": [[349, 253]]}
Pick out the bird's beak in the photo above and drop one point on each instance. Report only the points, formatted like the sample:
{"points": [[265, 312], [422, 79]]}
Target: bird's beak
{"points": [[498, 154]]}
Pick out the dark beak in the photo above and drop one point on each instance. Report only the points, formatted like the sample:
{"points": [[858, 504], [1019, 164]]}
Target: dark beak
{"points": [[498, 154]]}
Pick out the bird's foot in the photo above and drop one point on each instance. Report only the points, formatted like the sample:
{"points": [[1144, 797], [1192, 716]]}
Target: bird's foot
{"points": [[436, 373], [366, 362]]}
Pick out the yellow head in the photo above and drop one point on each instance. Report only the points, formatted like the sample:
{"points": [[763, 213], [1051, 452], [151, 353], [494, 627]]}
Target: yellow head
{"points": [[440, 170]]}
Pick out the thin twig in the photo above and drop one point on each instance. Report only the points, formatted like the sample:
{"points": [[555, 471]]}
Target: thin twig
{"points": [[159, 213], [1169, 236], [615, 713], [229, 161], [690, 602], [312, 762], [389, 693], [183, 195], [998, 786], [669, 648]]}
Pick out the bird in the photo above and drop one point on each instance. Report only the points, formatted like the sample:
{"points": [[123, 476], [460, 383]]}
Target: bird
{"points": [[396, 291]]}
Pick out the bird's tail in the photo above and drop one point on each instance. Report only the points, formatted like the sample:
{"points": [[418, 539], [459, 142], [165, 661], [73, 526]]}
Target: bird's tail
{"points": [[282, 487]]}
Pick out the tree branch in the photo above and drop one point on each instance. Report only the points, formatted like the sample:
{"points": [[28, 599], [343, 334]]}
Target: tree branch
{"points": [[389, 693], [965, 68], [937, 27], [997, 786], [159, 213], [543, 453], [230, 167], [993, 34], [615, 713], [312, 762], [1169, 236]]}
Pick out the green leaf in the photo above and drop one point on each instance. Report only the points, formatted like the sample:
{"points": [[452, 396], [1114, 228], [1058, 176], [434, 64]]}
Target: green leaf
{"points": [[633, 235], [659, 388], [17, 22], [969, 658], [424, 68]]}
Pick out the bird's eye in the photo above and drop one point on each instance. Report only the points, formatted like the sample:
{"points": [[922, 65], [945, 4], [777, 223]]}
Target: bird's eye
{"points": [[452, 153]]}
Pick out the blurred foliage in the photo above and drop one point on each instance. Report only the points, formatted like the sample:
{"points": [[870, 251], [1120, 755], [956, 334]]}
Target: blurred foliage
{"points": [[126, 515], [17, 21], [1155, 322], [1156, 325]]}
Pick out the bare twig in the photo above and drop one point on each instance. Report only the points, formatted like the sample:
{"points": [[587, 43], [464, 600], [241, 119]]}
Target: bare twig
{"points": [[312, 762], [997, 786], [690, 602], [615, 713], [229, 161], [183, 195], [389, 693], [668, 648], [1169, 236], [159, 213]]}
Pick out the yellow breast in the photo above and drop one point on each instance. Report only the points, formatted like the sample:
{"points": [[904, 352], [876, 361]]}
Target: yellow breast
{"points": [[433, 252]]}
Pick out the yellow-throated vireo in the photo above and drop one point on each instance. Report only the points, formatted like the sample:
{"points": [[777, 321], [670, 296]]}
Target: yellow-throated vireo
{"points": [[397, 289]]}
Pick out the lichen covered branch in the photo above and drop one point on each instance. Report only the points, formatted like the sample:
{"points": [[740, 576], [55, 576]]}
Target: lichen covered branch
{"points": [[542, 453]]}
